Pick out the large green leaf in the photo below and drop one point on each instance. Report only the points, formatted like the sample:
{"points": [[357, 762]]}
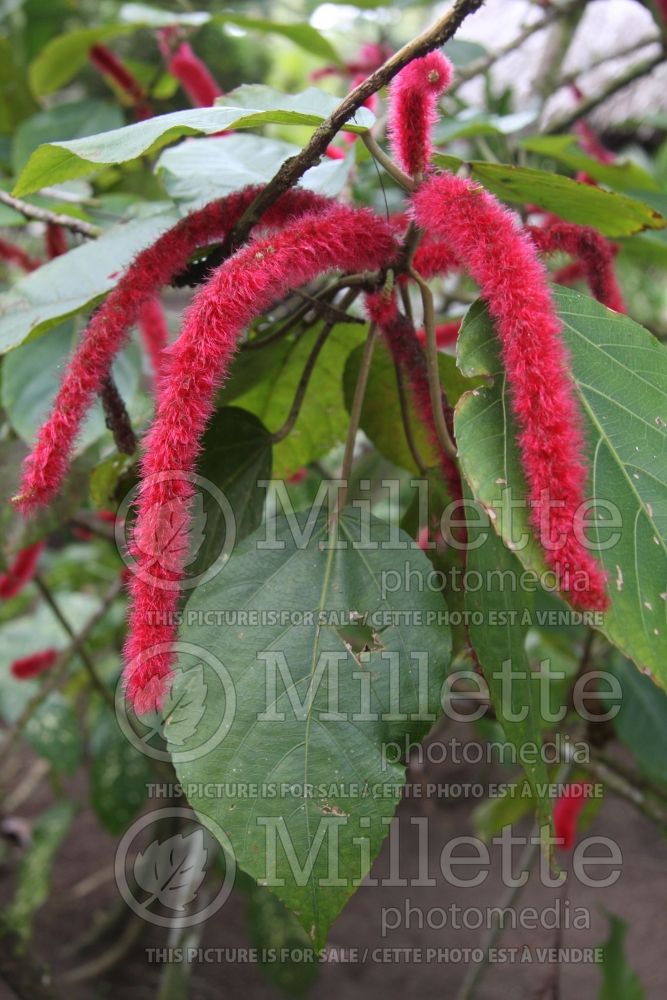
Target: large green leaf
{"points": [[499, 620], [248, 106], [197, 172], [322, 421], [65, 121], [313, 727], [35, 870], [610, 213], [119, 773], [76, 280], [641, 719], [623, 175], [236, 454], [619, 980], [31, 377], [620, 376]]}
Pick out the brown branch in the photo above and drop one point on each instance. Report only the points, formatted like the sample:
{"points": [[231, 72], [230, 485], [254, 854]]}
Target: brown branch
{"points": [[117, 418], [37, 214], [565, 122]]}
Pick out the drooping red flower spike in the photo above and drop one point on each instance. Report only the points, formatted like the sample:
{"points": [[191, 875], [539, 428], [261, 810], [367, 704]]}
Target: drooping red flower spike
{"points": [[21, 571], [243, 287], [194, 76], [588, 138], [413, 95], [27, 667], [593, 252], [46, 467], [567, 810], [55, 240], [408, 353], [17, 255], [154, 333], [502, 260], [108, 63]]}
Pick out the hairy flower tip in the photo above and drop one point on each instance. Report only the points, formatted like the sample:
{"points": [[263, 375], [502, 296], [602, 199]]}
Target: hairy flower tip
{"points": [[567, 811], [408, 354], [27, 667], [21, 571], [46, 466], [55, 240], [503, 261], [244, 287], [154, 333], [17, 255], [413, 96], [593, 252], [194, 76]]}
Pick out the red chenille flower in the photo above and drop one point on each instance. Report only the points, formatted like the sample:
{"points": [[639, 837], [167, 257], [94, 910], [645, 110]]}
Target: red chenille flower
{"points": [[17, 255], [503, 261], [260, 274], [413, 97], [567, 809], [27, 667], [194, 76], [21, 571]]}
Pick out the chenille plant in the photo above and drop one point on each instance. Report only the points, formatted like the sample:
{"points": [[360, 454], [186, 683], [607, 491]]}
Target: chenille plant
{"points": [[412, 292]]}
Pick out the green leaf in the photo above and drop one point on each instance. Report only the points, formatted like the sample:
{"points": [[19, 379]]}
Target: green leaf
{"points": [[65, 121], [623, 176], [35, 870], [236, 454], [248, 106], [619, 980], [500, 643], [53, 732], [194, 173], [275, 931], [300, 734], [301, 33], [31, 377], [641, 719], [75, 280], [65, 55], [322, 421], [620, 373], [16, 101], [119, 773], [610, 213]]}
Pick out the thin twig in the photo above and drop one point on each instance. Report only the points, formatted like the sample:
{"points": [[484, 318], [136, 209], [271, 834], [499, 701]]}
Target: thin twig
{"points": [[435, 389], [355, 415], [378, 154], [83, 654], [309, 367], [565, 122], [37, 214]]}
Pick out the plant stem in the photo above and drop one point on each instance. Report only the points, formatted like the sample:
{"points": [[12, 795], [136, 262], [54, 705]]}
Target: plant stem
{"points": [[435, 389], [309, 367], [33, 212], [117, 417], [385, 161], [355, 415], [83, 654]]}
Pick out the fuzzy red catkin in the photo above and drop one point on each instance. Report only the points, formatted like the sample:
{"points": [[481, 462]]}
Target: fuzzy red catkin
{"points": [[413, 96], [55, 240], [242, 288], [46, 466], [17, 255], [408, 353], [502, 260], [108, 63], [567, 810], [445, 333], [154, 333], [21, 571], [27, 667], [194, 76], [592, 251]]}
